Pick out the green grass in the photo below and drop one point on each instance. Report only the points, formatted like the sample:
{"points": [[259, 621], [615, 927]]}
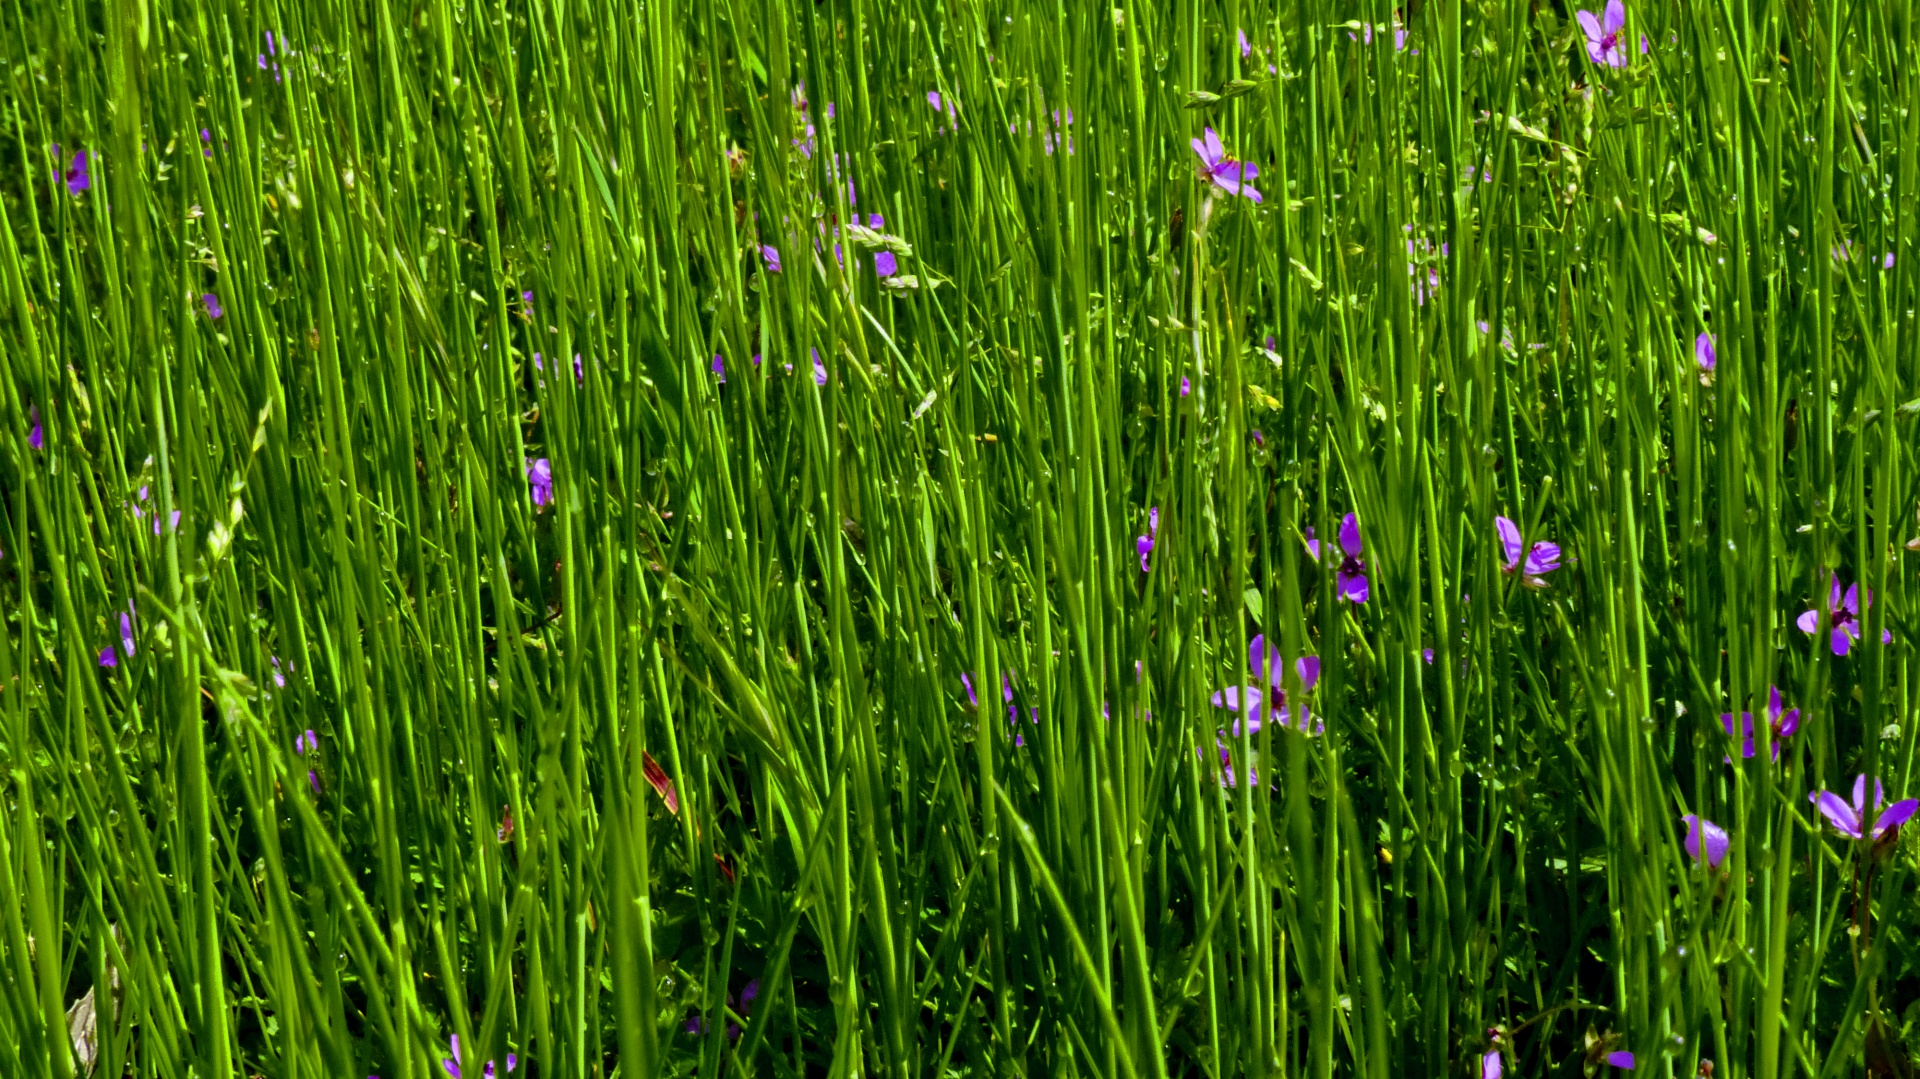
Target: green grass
{"points": [[773, 589]]}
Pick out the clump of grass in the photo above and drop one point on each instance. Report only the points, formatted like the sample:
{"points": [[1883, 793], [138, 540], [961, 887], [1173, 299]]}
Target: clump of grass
{"points": [[982, 538]]}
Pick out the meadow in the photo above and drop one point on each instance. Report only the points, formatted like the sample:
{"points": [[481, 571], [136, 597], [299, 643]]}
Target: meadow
{"points": [[1132, 539]]}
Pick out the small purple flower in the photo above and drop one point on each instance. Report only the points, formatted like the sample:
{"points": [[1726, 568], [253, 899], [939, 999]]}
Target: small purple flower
{"points": [[78, 176], [945, 105], [107, 657], [1604, 46], [1351, 577], [305, 742], [126, 633], [313, 781], [211, 304], [1843, 615], [1715, 838], [1143, 545], [1222, 171], [770, 258], [966, 683], [1490, 1066], [819, 368], [453, 1065], [1887, 262], [719, 367], [1227, 778], [1619, 1058], [884, 264], [1246, 47], [1542, 559], [1186, 387], [1849, 820], [749, 993], [1268, 667], [1703, 353], [206, 143], [540, 481], [1313, 544], [1782, 725], [36, 437], [279, 676]]}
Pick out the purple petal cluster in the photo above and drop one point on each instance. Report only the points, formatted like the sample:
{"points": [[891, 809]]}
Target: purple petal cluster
{"points": [[1843, 617], [1604, 34], [1224, 172], [1268, 668], [1705, 838], [540, 481], [1782, 724], [1849, 818], [1541, 559], [452, 1064], [1143, 545], [1351, 575]]}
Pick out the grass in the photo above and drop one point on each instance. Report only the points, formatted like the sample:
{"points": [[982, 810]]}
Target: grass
{"points": [[585, 769]]}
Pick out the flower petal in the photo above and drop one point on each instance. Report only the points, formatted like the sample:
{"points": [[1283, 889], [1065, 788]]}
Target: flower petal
{"points": [[1353, 587], [1616, 18], [1838, 813], [1490, 1067], [1896, 814], [1544, 558], [1350, 534], [1620, 1058], [1590, 25], [1842, 641], [1509, 541]]}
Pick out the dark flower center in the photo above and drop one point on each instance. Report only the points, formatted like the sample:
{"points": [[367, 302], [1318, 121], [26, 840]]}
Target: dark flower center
{"points": [[1353, 566]]}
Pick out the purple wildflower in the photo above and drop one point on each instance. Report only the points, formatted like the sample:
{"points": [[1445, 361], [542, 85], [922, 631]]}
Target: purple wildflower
{"points": [[279, 676], [35, 436], [1619, 1058], [1703, 353], [1843, 611], [751, 991], [79, 178], [1267, 666], [1887, 262], [1715, 839], [819, 368], [1490, 1066], [770, 257], [1143, 545], [945, 105], [107, 657], [126, 633], [1222, 171], [206, 143], [305, 742], [719, 367], [211, 304], [1227, 778], [1783, 725], [884, 264], [1543, 558], [1352, 574], [1186, 387], [1313, 544], [453, 1064], [966, 683], [1604, 46], [1849, 820], [540, 481]]}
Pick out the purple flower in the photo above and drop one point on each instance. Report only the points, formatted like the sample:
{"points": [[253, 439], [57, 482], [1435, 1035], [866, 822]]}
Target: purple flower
{"points": [[1227, 778], [1313, 544], [1351, 577], [751, 991], [1186, 387], [1703, 353], [1222, 171], [279, 677], [35, 436], [1619, 1058], [1268, 667], [966, 683], [1782, 725], [107, 658], [1887, 262], [1543, 558], [1715, 837], [79, 178], [1849, 819], [1603, 34], [211, 303], [206, 143], [1060, 136], [884, 264], [719, 367], [770, 257], [819, 368], [1490, 1067], [1143, 545], [540, 481], [453, 1065], [305, 743], [947, 105], [126, 633], [1843, 615]]}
